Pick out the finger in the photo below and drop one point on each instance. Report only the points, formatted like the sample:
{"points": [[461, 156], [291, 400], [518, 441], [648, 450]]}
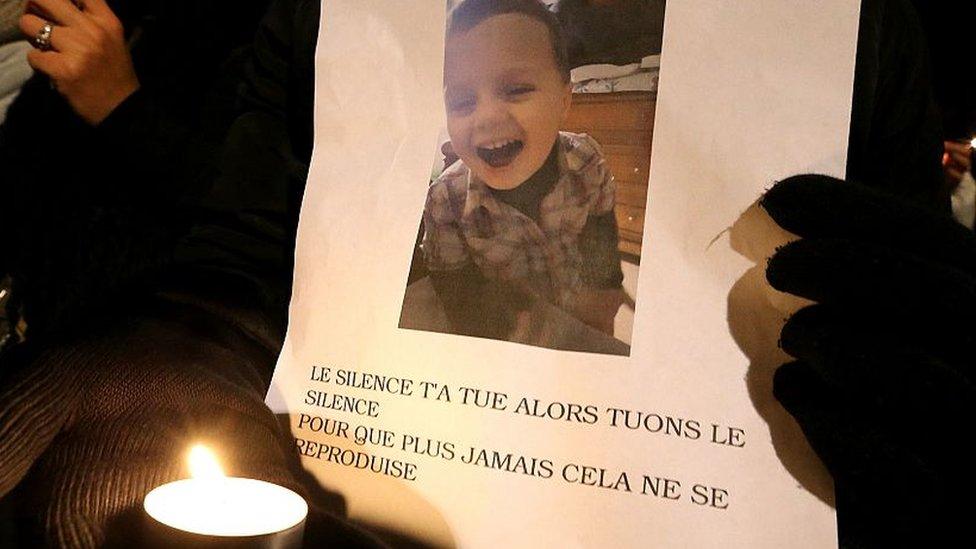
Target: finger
{"points": [[866, 465], [957, 146], [100, 16], [873, 278], [862, 442], [888, 365], [954, 163], [825, 207], [98, 8], [812, 329], [50, 63], [844, 437], [960, 158], [62, 12], [862, 459], [954, 173], [62, 38]]}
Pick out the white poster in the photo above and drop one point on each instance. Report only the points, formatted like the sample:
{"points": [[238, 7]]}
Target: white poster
{"points": [[529, 307]]}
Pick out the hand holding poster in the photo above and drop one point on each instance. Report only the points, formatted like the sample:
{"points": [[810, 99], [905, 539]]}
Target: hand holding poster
{"points": [[537, 365]]}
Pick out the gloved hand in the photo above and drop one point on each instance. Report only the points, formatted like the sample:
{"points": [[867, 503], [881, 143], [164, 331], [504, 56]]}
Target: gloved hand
{"points": [[883, 382], [88, 427]]}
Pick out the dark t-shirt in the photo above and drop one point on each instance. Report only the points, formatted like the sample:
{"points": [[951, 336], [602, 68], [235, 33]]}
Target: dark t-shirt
{"points": [[527, 197]]}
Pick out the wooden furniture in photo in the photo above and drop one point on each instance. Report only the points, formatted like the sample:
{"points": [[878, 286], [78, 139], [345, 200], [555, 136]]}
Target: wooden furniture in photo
{"points": [[622, 123]]}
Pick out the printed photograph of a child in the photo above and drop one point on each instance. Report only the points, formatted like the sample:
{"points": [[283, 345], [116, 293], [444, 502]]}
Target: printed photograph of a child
{"points": [[520, 238]]}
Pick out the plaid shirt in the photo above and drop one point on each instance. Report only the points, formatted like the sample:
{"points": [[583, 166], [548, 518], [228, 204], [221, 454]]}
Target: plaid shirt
{"points": [[464, 223]]}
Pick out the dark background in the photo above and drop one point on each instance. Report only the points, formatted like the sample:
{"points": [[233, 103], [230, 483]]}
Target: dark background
{"points": [[950, 28]]}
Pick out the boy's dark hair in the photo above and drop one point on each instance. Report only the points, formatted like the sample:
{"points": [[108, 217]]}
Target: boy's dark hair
{"points": [[466, 15]]}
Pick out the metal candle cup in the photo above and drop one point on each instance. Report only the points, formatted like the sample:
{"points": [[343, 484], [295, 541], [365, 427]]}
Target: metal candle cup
{"points": [[212, 510]]}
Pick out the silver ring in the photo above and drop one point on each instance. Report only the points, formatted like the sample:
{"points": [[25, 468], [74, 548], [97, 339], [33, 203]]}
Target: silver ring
{"points": [[42, 40]]}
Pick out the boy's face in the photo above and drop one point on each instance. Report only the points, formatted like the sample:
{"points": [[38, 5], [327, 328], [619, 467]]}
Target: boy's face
{"points": [[505, 98]]}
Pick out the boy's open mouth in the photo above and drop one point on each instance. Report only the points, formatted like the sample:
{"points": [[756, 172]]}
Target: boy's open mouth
{"points": [[501, 153]]}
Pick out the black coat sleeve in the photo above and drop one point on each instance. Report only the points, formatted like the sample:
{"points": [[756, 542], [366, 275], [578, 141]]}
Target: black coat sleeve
{"points": [[896, 135], [92, 214], [244, 229]]}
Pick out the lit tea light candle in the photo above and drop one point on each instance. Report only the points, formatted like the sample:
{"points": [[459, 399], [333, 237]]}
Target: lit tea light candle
{"points": [[211, 509]]}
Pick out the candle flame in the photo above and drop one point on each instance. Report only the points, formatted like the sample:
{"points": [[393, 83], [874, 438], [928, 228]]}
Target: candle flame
{"points": [[972, 144], [203, 463]]}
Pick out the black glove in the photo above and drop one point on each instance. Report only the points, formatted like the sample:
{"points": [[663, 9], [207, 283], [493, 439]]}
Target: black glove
{"points": [[883, 385], [88, 427]]}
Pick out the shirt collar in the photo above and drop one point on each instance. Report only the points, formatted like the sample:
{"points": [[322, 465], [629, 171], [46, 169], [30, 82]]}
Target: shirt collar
{"points": [[479, 196]]}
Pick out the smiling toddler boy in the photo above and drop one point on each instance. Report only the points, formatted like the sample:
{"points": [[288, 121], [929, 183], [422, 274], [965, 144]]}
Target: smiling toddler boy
{"points": [[527, 210]]}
